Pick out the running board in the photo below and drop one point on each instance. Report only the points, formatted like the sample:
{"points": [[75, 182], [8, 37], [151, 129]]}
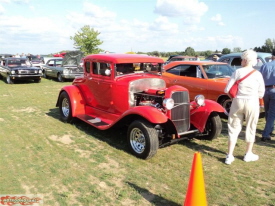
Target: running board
{"points": [[94, 121]]}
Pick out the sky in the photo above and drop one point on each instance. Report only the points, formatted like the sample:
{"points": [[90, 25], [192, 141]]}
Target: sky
{"points": [[45, 26]]}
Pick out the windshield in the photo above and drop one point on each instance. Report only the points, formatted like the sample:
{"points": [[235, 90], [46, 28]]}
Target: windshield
{"points": [[17, 63], [217, 71], [131, 68]]}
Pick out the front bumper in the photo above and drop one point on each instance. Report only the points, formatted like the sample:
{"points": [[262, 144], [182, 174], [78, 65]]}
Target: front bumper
{"points": [[25, 76], [72, 76]]}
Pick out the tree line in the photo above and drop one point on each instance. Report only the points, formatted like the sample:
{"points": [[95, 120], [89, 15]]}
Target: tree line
{"points": [[87, 41]]}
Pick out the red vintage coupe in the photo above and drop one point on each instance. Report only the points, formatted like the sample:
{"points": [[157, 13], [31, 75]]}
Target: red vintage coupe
{"points": [[128, 90]]}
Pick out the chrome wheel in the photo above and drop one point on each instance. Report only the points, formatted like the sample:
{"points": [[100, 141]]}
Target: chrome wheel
{"points": [[142, 139], [137, 140], [65, 107]]}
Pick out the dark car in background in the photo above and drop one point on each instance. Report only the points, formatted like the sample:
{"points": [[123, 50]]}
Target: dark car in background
{"points": [[66, 68], [234, 59], [213, 57], [19, 69]]}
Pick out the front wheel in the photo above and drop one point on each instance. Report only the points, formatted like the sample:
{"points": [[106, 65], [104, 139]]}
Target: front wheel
{"points": [[65, 108], [142, 139], [226, 104], [213, 127], [9, 80], [60, 78], [37, 80]]}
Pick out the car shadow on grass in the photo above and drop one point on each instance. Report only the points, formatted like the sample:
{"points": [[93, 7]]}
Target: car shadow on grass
{"points": [[152, 198], [115, 137]]}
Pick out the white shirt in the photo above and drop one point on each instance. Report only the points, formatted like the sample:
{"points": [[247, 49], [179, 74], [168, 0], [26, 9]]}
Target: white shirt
{"points": [[251, 87]]}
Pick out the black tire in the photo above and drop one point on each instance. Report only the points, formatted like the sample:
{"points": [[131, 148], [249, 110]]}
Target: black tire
{"points": [[142, 139], [44, 74], [213, 127], [9, 80], [65, 108], [226, 104], [37, 80], [60, 78]]}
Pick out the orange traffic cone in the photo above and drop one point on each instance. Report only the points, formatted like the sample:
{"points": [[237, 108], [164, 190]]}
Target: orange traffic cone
{"points": [[196, 195]]}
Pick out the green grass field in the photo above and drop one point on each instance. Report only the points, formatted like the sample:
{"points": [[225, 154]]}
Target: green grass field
{"points": [[76, 164]]}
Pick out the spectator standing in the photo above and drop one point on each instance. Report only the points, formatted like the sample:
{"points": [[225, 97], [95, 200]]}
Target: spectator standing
{"points": [[244, 106], [215, 58], [268, 72], [197, 58]]}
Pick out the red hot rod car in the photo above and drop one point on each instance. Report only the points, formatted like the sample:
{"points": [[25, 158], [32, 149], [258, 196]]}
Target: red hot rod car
{"points": [[128, 90]]}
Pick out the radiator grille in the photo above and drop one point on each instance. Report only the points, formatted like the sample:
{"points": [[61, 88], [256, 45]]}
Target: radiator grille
{"points": [[180, 114]]}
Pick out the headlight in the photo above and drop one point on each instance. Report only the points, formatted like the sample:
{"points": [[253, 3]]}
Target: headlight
{"points": [[12, 72], [199, 99], [65, 71], [35, 71], [168, 103], [40, 71]]}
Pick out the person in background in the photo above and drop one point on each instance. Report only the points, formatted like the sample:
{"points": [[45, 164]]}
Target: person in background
{"points": [[197, 58], [215, 58], [268, 72], [244, 106]]}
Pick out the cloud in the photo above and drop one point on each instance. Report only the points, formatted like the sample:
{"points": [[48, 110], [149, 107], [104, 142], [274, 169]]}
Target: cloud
{"points": [[2, 10], [218, 18], [96, 11], [189, 10]]}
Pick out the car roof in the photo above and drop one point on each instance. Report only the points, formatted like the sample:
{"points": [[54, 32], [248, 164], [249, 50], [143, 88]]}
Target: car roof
{"points": [[124, 58], [174, 63], [260, 54], [180, 56]]}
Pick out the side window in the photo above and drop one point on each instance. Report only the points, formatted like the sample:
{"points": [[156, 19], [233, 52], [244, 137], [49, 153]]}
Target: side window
{"points": [[87, 67], [175, 70], [95, 68], [188, 70], [236, 62], [226, 60], [51, 63]]}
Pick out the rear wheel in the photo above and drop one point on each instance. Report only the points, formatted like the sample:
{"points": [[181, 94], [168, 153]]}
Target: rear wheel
{"points": [[65, 108], [142, 139], [213, 127]]}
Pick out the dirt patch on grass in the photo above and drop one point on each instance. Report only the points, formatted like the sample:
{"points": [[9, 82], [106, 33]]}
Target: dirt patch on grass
{"points": [[65, 139], [2, 120], [27, 110]]}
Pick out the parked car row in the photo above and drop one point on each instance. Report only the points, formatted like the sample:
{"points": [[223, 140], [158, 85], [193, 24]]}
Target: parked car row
{"points": [[67, 68], [12, 69]]}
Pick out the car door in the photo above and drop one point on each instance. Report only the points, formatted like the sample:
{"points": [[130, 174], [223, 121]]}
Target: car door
{"points": [[100, 87], [48, 68], [190, 77]]}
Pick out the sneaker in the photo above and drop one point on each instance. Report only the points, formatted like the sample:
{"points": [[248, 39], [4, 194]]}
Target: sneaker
{"points": [[229, 159], [249, 157]]}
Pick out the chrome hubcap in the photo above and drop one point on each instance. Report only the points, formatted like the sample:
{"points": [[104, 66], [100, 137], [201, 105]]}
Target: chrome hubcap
{"points": [[137, 140], [65, 107]]}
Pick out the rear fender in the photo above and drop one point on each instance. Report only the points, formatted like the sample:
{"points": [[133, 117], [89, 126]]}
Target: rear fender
{"points": [[199, 115], [76, 99], [152, 114]]}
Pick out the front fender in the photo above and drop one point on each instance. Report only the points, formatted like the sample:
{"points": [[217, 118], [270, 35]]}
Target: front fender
{"points": [[152, 114], [199, 115], [76, 99]]}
